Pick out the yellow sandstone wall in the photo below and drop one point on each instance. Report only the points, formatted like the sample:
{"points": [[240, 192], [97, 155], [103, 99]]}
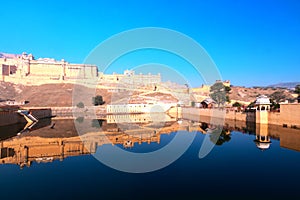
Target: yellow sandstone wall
{"points": [[289, 115], [49, 70]]}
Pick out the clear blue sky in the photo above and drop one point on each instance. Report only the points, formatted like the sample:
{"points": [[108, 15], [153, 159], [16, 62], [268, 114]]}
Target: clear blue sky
{"points": [[251, 42]]}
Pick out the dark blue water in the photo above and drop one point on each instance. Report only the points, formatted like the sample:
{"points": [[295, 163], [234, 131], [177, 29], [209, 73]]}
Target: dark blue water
{"points": [[236, 169]]}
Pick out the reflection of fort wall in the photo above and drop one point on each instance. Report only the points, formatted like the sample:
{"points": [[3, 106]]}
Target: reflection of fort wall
{"points": [[8, 117], [25, 150], [289, 137], [46, 145], [12, 117]]}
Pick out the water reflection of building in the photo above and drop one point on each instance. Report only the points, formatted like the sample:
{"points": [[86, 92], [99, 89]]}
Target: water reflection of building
{"points": [[139, 118], [139, 108], [289, 137], [46, 144], [262, 140], [23, 151]]}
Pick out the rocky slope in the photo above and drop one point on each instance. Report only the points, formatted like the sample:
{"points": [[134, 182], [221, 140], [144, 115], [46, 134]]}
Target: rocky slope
{"points": [[47, 95], [250, 94], [61, 94]]}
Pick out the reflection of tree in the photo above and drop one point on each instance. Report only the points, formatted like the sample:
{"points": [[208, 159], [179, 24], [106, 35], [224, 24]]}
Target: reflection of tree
{"points": [[79, 119], [204, 125], [218, 138], [98, 100], [97, 123]]}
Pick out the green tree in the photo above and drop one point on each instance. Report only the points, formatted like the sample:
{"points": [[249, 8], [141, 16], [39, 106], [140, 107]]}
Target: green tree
{"points": [[297, 89], [218, 93], [251, 105], [236, 104], [227, 89], [278, 96], [274, 105], [227, 99], [193, 103], [98, 100]]}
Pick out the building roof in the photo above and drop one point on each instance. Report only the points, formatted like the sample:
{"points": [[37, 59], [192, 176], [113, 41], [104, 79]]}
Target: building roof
{"points": [[262, 100], [208, 101]]}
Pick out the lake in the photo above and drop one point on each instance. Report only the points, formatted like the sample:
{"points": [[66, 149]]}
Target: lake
{"points": [[51, 161]]}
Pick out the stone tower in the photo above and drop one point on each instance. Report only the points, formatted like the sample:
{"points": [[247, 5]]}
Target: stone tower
{"points": [[262, 105]]}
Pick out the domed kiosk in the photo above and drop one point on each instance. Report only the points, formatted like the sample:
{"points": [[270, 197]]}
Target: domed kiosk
{"points": [[262, 103]]}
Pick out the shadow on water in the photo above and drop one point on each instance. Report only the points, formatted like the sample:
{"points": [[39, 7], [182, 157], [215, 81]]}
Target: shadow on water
{"points": [[11, 130], [7, 132]]}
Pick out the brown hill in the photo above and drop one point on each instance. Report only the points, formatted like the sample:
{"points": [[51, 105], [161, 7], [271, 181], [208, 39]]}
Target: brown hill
{"points": [[49, 94], [250, 94], [53, 95]]}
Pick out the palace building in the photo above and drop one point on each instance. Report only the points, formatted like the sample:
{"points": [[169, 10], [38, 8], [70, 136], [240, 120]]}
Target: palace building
{"points": [[25, 69]]}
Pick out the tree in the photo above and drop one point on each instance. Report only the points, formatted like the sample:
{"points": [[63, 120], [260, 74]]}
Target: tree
{"points": [[218, 93], [193, 103], [227, 89], [278, 96], [274, 105], [236, 104], [98, 100], [297, 89], [251, 106], [227, 99]]}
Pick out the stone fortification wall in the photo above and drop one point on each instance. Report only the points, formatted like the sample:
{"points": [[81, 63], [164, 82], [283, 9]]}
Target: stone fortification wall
{"points": [[288, 116], [25, 69]]}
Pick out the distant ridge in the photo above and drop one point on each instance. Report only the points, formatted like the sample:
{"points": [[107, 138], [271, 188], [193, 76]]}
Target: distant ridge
{"points": [[288, 85], [8, 55]]}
